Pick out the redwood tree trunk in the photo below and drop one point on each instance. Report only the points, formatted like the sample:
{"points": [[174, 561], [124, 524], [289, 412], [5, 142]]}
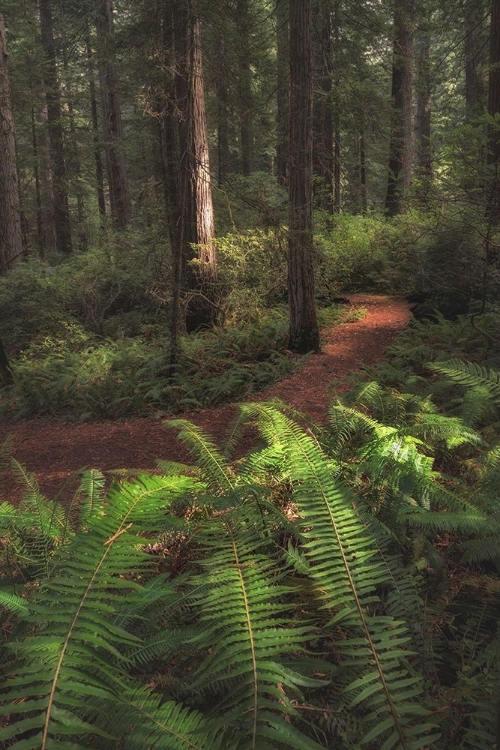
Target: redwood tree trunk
{"points": [[222, 114], [245, 87], [424, 109], [401, 124], [62, 225], [99, 171], [303, 333], [323, 156], [474, 82], [11, 237], [493, 187], [113, 130], [196, 209], [283, 90]]}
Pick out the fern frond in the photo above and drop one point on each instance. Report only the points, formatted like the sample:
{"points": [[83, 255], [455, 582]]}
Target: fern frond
{"points": [[347, 572], [15, 604], [246, 629], [92, 491], [68, 651], [214, 467], [470, 375]]}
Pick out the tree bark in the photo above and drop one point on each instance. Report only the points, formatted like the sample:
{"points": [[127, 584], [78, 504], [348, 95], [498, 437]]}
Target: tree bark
{"points": [[245, 94], [62, 225], [222, 114], [323, 156], [196, 209], [363, 191], [6, 377], [474, 81], [11, 237], [337, 187], [283, 90], [303, 333], [74, 158], [424, 108], [493, 186], [113, 129], [401, 121], [38, 190], [99, 171]]}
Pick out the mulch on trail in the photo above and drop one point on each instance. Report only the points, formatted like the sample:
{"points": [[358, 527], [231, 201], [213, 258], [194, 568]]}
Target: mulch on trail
{"points": [[53, 451]]}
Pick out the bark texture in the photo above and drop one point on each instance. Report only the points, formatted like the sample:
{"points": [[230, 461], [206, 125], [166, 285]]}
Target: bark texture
{"points": [[119, 198], [62, 225], [493, 188], [323, 156], [11, 238], [400, 147], [196, 213], [94, 117], [424, 107], [474, 81], [303, 333], [245, 94], [283, 90]]}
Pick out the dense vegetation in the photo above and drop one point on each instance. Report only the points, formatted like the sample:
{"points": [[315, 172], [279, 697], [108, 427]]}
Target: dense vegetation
{"points": [[186, 188]]}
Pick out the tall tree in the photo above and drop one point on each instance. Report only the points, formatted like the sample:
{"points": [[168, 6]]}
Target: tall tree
{"points": [[474, 81], [99, 171], [119, 198], [62, 225], [424, 105], [245, 86], [197, 229], [493, 188], [323, 156], [282, 90], [401, 92], [11, 238], [303, 333]]}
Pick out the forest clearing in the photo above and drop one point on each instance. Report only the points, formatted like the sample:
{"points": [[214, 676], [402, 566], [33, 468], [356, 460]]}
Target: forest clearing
{"points": [[250, 374]]}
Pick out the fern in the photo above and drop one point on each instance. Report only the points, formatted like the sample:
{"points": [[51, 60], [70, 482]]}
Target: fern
{"points": [[346, 572]]}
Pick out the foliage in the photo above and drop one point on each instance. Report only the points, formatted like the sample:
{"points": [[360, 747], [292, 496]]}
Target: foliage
{"points": [[302, 597]]}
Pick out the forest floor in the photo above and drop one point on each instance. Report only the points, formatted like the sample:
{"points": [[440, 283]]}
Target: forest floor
{"points": [[56, 451]]}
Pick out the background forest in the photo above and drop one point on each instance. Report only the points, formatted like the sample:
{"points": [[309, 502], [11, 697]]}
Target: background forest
{"points": [[187, 188]]}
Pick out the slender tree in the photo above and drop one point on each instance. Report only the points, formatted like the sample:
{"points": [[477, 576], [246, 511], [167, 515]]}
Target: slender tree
{"points": [[282, 90], [323, 156], [493, 187], [303, 333], [11, 238], [474, 81], [222, 112], [196, 223], [119, 198], [245, 95], [401, 125], [423, 152], [61, 215], [94, 117]]}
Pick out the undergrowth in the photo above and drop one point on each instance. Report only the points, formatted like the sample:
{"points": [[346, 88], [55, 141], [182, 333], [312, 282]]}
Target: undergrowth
{"points": [[335, 587]]}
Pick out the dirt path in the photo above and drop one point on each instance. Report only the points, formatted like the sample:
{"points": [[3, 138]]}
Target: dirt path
{"points": [[53, 451]]}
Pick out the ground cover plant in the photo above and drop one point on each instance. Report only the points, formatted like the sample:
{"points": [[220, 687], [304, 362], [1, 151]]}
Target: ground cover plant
{"points": [[336, 588]]}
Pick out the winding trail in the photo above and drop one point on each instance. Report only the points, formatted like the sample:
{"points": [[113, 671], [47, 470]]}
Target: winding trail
{"points": [[55, 451]]}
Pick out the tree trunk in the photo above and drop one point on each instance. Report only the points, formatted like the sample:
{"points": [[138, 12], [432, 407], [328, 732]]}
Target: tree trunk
{"points": [[38, 190], [401, 121], [11, 237], [222, 113], [113, 130], [303, 334], [62, 225], [99, 171], [5, 371], [363, 192], [245, 95], [474, 82], [196, 209], [493, 187], [283, 90], [337, 187], [424, 109], [323, 156]]}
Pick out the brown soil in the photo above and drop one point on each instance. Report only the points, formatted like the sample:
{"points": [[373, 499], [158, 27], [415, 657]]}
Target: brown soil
{"points": [[56, 451]]}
